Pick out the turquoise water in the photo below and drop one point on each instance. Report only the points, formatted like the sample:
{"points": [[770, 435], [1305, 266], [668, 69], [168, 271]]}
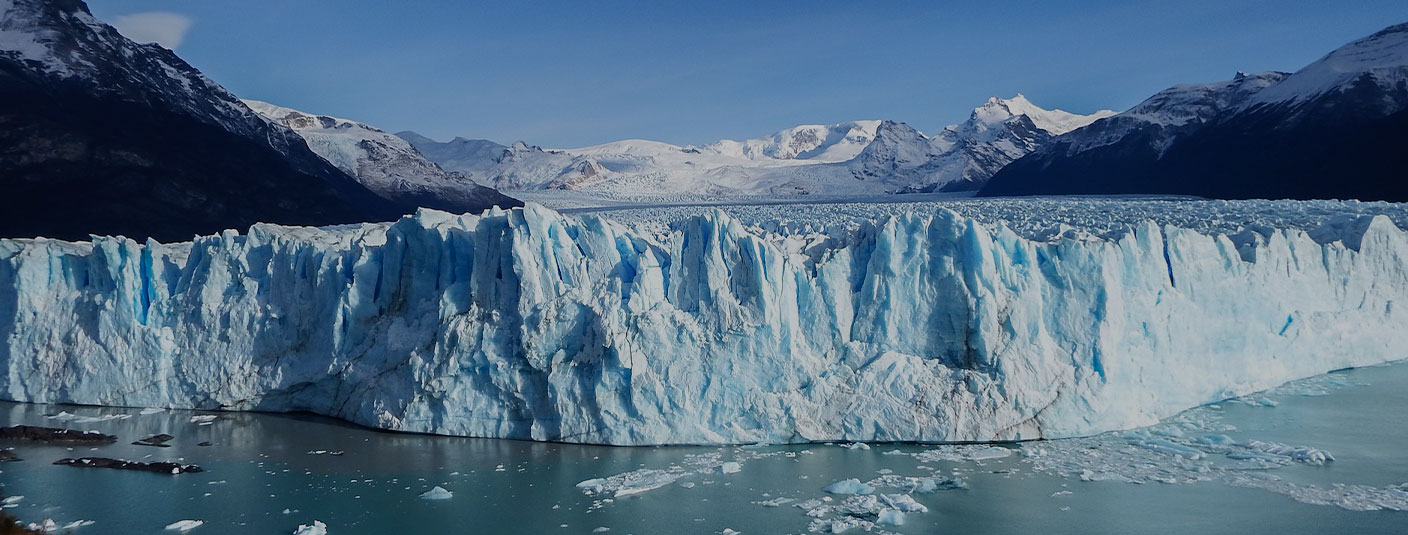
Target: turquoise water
{"points": [[260, 465]]}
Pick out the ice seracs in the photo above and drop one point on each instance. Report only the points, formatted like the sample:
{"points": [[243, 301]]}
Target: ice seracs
{"points": [[532, 324]]}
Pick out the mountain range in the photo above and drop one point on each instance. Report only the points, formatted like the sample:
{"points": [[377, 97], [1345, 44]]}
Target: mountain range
{"points": [[103, 135], [860, 157]]}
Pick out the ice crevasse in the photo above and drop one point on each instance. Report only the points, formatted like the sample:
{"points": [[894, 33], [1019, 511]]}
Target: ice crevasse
{"points": [[536, 325]]}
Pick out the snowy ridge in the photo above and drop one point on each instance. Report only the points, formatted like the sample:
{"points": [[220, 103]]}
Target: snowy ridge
{"points": [[1195, 103], [535, 325], [1169, 114], [384, 163], [1381, 57]]}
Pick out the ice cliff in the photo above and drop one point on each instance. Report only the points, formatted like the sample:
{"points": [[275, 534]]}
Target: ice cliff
{"points": [[535, 325]]}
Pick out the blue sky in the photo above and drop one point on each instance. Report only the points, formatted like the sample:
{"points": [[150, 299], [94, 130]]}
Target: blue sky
{"points": [[579, 73]]}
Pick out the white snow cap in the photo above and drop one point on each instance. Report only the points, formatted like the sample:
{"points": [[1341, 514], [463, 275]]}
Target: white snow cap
{"points": [[997, 110]]}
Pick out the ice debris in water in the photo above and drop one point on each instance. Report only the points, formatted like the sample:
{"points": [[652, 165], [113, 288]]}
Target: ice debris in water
{"points": [[184, 525], [437, 493], [963, 453], [1193, 447], [318, 528], [1303, 454], [633, 482]]}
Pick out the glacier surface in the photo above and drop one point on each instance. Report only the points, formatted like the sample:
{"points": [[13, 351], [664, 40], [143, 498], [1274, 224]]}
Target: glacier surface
{"points": [[531, 324]]}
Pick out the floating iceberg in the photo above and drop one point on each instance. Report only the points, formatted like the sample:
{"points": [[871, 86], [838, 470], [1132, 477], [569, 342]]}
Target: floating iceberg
{"points": [[184, 525], [849, 486], [437, 493], [531, 324], [318, 528]]}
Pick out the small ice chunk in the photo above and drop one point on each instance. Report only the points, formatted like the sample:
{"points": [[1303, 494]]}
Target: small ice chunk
{"points": [[318, 528], [184, 525], [775, 502], [849, 486], [903, 503], [891, 517], [10, 500], [730, 468], [857, 446], [437, 493], [601, 529], [150, 410], [204, 419]]}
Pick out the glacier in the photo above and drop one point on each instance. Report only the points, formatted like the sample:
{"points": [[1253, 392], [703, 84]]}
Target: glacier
{"points": [[531, 324]]}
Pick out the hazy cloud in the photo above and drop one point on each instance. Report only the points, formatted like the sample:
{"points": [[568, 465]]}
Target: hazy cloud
{"points": [[161, 27]]}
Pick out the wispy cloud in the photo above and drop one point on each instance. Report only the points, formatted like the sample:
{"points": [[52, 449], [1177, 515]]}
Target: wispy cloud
{"points": [[161, 27]]}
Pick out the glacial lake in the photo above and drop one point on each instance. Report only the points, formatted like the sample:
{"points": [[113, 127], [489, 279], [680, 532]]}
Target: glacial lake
{"points": [[269, 473]]}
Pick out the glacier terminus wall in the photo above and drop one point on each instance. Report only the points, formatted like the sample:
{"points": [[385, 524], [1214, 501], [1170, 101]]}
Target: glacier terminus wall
{"points": [[535, 325]]}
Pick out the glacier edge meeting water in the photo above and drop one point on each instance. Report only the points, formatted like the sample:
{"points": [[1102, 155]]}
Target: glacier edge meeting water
{"points": [[535, 325]]}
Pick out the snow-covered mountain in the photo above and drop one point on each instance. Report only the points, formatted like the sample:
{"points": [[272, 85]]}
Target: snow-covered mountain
{"points": [[860, 157], [965, 156], [105, 135], [1334, 129], [384, 163], [814, 142]]}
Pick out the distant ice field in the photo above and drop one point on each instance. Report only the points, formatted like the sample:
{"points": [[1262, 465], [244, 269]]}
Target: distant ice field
{"points": [[1038, 218]]}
